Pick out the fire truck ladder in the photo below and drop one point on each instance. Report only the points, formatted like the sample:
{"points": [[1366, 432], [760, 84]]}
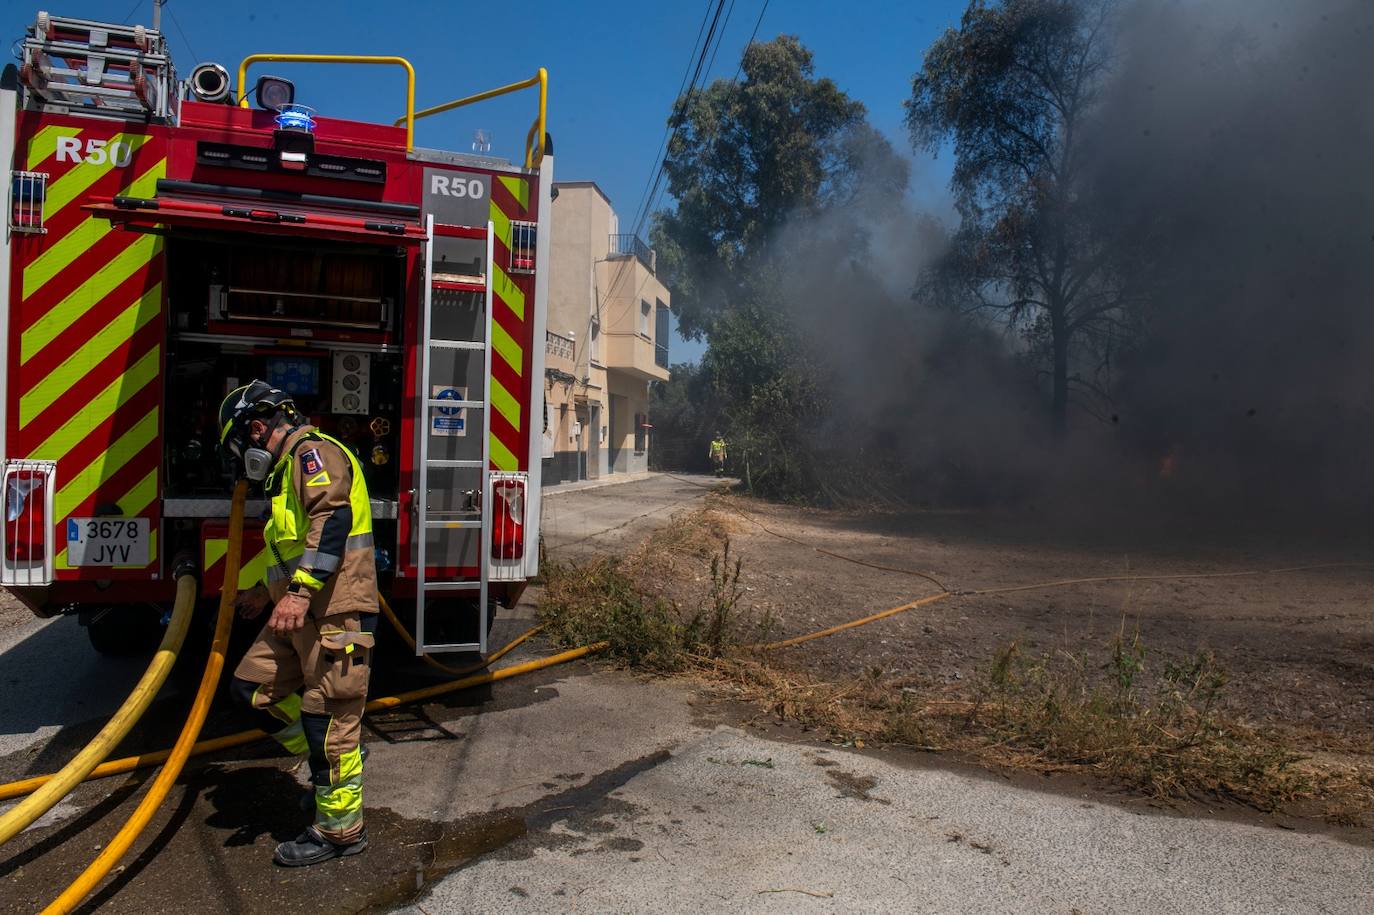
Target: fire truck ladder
{"points": [[117, 70], [446, 383]]}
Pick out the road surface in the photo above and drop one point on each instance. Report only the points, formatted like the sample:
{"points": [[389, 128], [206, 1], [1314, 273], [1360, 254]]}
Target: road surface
{"points": [[584, 789]]}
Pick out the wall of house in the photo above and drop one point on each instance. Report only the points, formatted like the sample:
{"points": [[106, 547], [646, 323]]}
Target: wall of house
{"points": [[597, 301], [563, 438], [629, 398]]}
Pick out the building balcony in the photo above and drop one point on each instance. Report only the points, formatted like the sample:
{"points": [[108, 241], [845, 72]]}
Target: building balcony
{"points": [[633, 246], [560, 353], [633, 354]]}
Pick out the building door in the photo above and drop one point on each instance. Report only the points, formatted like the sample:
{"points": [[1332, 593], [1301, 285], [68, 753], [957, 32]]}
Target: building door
{"points": [[578, 470], [591, 444], [617, 407]]}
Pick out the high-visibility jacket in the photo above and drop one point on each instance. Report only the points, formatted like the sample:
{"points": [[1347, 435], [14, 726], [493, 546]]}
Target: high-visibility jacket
{"points": [[319, 526]]}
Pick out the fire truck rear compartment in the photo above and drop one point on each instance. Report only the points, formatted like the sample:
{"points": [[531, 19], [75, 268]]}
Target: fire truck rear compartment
{"points": [[319, 319], [324, 321]]}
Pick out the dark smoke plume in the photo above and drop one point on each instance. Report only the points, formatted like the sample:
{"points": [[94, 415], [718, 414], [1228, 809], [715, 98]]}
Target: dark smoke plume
{"points": [[1234, 153], [1232, 163]]}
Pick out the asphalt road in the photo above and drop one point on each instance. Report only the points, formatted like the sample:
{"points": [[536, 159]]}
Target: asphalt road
{"points": [[730, 822], [580, 789]]}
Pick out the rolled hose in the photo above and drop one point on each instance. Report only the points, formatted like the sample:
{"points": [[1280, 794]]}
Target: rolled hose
{"points": [[138, 821], [59, 785]]}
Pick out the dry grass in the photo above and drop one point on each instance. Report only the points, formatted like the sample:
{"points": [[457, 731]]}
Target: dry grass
{"points": [[672, 603], [1155, 724], [1098, 716]]}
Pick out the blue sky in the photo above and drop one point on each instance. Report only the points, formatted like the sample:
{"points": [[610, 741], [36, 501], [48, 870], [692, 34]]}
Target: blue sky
{"points": [[614, 66]]}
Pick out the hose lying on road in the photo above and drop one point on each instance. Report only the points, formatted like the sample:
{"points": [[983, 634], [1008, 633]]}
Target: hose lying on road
{"points": [[138, 821], [431, 661], [146, 760], [862, 621], [73, 773]]}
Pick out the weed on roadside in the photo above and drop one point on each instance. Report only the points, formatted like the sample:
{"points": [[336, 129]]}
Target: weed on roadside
{"points": [[1107, 714], [653, 617], [1161, 734], [1120, 712]]}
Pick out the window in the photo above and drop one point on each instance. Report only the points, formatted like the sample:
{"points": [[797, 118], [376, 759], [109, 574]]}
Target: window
{"points": [[522, 242], [661, 336], [641, 432], [644, 318]]}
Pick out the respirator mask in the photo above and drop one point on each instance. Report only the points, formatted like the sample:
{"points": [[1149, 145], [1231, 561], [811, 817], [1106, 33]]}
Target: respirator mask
{"points": [[257, 462], [257, 402]]}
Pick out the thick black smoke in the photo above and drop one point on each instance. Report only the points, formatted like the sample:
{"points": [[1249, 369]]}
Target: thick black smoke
{"points": [[1234, 151], [925, 404], [1231, 160]]}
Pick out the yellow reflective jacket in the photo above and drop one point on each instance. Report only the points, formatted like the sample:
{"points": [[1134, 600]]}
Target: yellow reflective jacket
{"points": [[319, 528]]}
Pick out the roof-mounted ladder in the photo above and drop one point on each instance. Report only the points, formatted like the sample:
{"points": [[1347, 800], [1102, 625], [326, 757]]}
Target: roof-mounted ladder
{"points": [[119, 71]]}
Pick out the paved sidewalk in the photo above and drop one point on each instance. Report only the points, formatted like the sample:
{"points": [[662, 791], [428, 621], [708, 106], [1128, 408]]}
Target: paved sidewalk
{"points": [[614, 479]]}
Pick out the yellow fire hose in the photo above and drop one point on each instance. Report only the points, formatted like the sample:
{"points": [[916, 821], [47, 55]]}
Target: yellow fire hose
{"points": [[439, 665], [147, 760], [132, 763], [115, 849], [73, 773]]}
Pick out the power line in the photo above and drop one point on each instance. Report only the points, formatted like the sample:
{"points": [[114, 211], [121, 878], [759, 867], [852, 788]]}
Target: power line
{"points": [[667, 130], [184, 39], [750, 43], [677, 122], [668, 126], [712, 62], [681, 114], [752, 35]]}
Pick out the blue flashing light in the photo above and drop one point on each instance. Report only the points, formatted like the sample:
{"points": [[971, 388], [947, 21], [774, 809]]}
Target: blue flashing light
{"points": [[296, 117]]}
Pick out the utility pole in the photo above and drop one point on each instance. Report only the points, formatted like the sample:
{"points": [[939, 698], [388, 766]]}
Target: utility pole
{"points": [[157, 15]]}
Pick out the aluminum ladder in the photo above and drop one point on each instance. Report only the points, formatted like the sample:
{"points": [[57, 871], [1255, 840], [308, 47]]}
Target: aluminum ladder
{"points": [[453, 526], [98, 68]]}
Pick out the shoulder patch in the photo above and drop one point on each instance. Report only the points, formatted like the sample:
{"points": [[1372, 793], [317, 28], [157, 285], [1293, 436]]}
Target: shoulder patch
{"points": [[310, 461], [322, 479]]}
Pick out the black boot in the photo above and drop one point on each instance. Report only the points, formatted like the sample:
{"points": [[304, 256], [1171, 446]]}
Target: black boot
{"points": [[312, 848]]}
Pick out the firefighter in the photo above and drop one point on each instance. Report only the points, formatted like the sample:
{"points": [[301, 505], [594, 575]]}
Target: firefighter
{"points": [[305, 676], [717, 454]]}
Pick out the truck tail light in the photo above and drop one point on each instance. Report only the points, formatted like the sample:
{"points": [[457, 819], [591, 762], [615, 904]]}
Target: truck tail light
{"points": [[508, 522], [26, 524]]}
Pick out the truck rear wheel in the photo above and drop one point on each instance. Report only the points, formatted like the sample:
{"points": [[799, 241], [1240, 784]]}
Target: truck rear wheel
{"points": [[123, 630]]}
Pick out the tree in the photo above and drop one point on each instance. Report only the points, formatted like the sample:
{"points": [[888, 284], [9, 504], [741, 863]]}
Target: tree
{"points": [[684, 413], [774, 177], [748, 157], [1012, 87]]}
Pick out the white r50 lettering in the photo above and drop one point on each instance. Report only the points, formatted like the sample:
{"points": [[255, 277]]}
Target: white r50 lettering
{"points": [[97, 152], [456, 187]]}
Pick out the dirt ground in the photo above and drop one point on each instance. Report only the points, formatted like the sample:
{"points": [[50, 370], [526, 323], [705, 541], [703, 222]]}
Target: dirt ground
{"points": [[1298, 646]]}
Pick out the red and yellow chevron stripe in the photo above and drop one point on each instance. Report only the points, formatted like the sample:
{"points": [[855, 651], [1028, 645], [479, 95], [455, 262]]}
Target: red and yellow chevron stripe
{"points": [[510, 332], [252, 571], [87, 332]]}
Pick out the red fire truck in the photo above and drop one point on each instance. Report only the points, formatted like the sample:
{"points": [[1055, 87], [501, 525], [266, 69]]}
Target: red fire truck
{"points": [[167, 240]]}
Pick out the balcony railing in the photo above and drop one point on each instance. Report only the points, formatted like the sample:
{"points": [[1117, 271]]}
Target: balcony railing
{"points": [[558, 345], [633, 246]]}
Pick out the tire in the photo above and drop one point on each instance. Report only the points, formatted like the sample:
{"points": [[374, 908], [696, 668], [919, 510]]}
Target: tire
{"points": [[123, 630]]}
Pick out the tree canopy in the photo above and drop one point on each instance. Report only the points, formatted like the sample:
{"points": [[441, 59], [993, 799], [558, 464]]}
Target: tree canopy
{"points": [[1011, 89], [763, 172], [748, 157]]}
